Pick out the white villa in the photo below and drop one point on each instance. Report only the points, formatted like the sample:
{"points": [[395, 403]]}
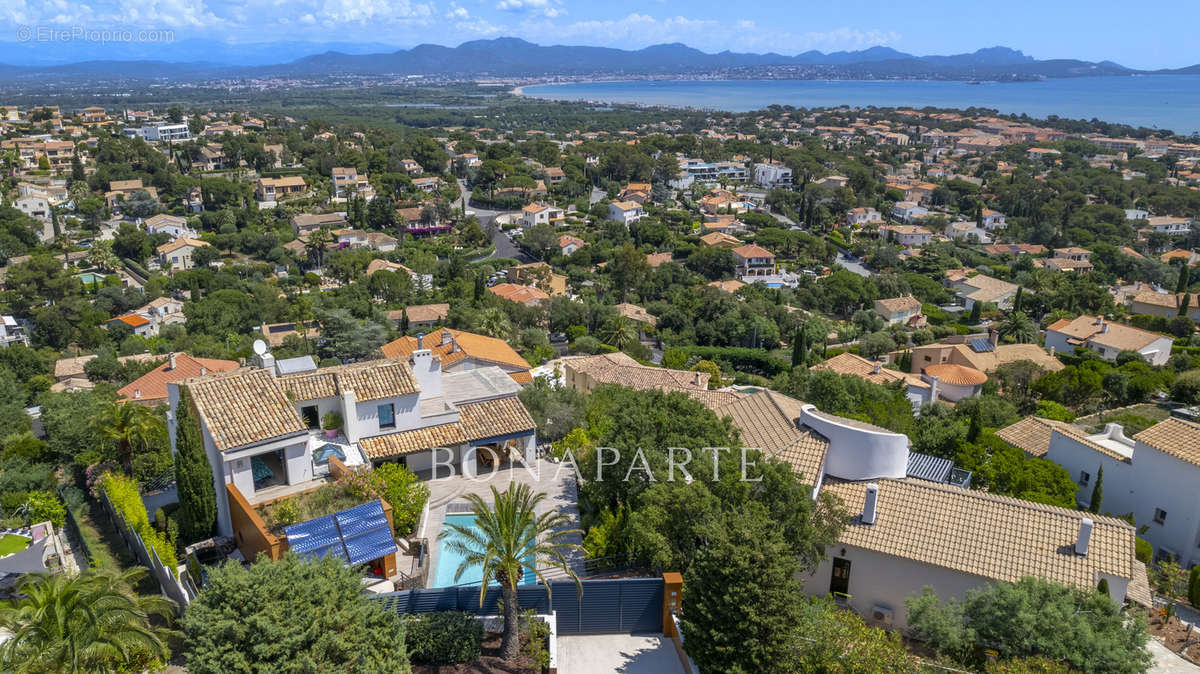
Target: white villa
{"points": [[913, 523], [1152, 475], [261, 425]]}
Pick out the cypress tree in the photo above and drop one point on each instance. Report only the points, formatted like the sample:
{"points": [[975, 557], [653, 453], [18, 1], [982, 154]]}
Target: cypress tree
{"points": [[1097, 492], [1183, 304], [799, 348], [193, 476], [1017, 299], [976, 311], [976, 427], [1184, 279], [1102, 587]]}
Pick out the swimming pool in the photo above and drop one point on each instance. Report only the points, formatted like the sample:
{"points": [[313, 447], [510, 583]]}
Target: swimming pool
{"points": [[448, 560], [89, 278]]}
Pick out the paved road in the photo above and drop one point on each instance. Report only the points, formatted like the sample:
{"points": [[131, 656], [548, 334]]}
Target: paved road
{"points": [[504, 245], [853, 266]]}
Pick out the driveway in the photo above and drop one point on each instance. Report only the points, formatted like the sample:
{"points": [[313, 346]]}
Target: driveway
{"points": [[624, 653], [856, 267], [1165, 662]]}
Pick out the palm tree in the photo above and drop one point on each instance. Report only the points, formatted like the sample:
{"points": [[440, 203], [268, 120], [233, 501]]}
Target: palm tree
{"points": [[507, 540], [1019, 327], [100, 255], [621, 333], [318, 242], [85, 623], [127, 424], [493, 322]]}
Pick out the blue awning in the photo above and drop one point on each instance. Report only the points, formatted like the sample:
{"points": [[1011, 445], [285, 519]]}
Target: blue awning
{"points": [[355, 535]]}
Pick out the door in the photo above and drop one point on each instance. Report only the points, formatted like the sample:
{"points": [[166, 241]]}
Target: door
{"points": [[839, 580]]}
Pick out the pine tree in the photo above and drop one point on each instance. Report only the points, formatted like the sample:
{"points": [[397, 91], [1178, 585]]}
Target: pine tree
{"points": [[1097, 491], [1184, 279], [193, 476]]}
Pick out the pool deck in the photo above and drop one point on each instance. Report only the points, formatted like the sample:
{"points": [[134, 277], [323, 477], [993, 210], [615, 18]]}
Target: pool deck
{"points": [[544, 476]]}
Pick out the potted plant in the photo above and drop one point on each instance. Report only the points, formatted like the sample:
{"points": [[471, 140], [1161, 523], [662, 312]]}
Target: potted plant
{"points": [[332, 423]]}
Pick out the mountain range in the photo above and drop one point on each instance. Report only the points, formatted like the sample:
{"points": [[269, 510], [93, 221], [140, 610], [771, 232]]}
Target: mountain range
{"points": [[513, 57]]}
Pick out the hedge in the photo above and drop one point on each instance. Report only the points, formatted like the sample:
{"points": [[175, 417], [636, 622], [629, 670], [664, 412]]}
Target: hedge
{"points": [[122, 493], [758, 361], [444, 638]]}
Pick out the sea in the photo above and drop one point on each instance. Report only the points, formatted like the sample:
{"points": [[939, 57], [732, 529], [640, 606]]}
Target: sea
{"points": [[1168, 102]]}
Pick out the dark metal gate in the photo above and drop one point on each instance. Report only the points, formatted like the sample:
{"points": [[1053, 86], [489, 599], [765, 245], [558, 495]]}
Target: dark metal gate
{"points": [[607, 606]]}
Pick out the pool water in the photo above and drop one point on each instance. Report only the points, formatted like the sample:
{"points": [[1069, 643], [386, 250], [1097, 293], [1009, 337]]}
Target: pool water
{"points": [[448, 560], [89, 278]]}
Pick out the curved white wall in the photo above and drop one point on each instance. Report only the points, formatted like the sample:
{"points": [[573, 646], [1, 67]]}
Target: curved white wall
{"points": [[857, 453]]}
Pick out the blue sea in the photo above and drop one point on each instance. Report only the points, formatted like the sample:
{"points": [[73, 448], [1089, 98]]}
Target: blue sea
{"points": [[1170, 102]]}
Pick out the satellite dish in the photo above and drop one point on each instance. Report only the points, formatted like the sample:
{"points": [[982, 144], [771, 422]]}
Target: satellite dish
{"points": [[260, 347]]}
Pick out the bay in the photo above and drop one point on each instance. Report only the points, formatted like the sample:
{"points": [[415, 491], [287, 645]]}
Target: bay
{"points": [[1169, 102]]}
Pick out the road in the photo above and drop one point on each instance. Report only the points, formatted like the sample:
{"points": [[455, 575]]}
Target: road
{"points": [[856, 267], [504, 245]]}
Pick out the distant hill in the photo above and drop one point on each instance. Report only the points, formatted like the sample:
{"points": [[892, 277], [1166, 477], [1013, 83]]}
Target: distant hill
{"points": [[512, 57]]}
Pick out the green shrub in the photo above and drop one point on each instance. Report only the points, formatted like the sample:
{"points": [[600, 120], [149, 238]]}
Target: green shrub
{"points": [[444, 638], [1143, 551], [287, 511], [536, 633], [332, 421], [123, 494], [44, 506]]}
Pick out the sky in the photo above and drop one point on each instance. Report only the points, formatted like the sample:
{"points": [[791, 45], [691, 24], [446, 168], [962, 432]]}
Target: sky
{"points": [[1147, 35]]}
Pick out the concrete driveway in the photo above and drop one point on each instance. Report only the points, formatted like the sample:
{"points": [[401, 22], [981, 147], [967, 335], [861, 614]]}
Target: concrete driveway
{"points": [[1165, 662], [623, 653]]}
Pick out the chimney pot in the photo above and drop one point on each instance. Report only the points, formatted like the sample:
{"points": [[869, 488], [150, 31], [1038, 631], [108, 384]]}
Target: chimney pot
{"points": [[877, 367], [1085, 536], [137, 393], [446, 336], [171, 361], [1051, 350], [420, 340], [203, 371], [868, 513], [993, 336]]}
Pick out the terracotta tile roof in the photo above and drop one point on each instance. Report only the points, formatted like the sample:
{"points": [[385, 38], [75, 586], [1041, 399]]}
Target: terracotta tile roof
{"points": [[457, 346], [370, 380], [985, 535], [175, 245], [657, 259], [897, 305], [853, 364], [1177, 437], [426, 313], [1117, 336], [990, 361], [767, 420], [956, 375], [988, 289], [751, 251], [1165, 300], [715, 400], [494, 418], [132, 320], [243, 407], [619, 368], [636, 313], [731, 286], [416, 440], [1033, 435], [720, 239], [153, 384], [519, 293], [477, 421]]}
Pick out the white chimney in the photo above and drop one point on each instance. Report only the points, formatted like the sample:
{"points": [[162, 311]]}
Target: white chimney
{"points": [[868, 513], [877, 367], [933, 392], [1051, 350], [420, 341], [1085, 536], [1103, 328], [137, 393], [203, 371], [171, 361], [446, 337]]}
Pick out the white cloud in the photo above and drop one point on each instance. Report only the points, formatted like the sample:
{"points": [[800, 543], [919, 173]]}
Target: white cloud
{"points": [[547, 8], [639, 30]]}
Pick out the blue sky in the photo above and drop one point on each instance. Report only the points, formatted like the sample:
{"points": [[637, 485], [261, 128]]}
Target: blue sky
{"points": [[1145, 35]]}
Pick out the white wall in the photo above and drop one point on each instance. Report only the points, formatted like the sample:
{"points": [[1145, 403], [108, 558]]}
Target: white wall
{"points": [[859, 454], [1150, 480]]}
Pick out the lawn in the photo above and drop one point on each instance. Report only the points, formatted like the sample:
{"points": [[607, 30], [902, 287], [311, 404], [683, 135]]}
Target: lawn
{"points": [[11, 543]]}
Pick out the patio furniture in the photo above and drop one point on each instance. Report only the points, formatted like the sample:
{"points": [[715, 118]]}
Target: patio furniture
{"points": [[260, 471]]}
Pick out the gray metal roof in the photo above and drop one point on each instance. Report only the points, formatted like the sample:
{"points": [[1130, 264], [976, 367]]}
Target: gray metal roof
{"points": [[926, 467], [297, 365]]}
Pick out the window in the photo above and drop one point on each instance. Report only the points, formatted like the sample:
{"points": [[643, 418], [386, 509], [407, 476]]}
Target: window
{"points": [[311, 418], [1084, 478], [1160, 516], [387, 416]]}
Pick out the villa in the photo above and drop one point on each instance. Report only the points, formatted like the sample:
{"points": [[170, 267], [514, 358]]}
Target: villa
{"points": [[261, 426], [460, 351], [1108, 339]]}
